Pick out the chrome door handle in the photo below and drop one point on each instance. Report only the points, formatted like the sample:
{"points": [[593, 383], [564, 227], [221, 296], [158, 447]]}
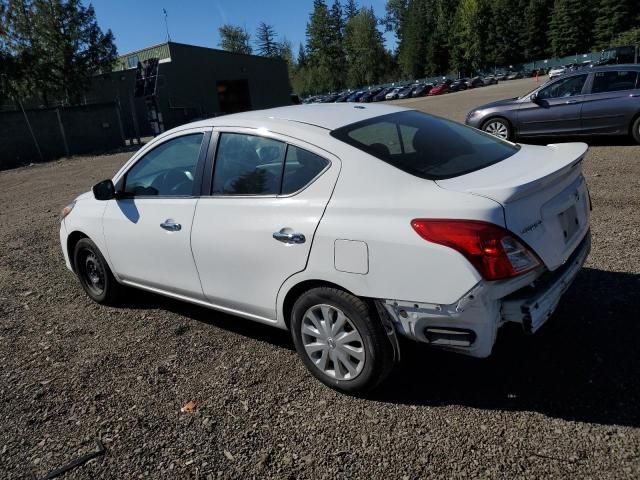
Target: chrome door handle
{"points": [[571, 102], [633, 95], [286, 237], [171, 226]]}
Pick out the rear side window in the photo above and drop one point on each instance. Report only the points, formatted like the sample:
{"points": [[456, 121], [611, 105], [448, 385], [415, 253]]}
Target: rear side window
{"points": [[301, 167], [614, 81], [248, 165], [253, 165], [426, 146]]}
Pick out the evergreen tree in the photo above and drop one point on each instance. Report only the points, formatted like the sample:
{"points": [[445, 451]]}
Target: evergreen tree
{"points": [[536, 24], [395, 12], [234, 39], [266, 41], [54, 47], [302, 56], [365, 49], [351, 9], [570, 29], [614, 16], [469, 47], [324, 47]]}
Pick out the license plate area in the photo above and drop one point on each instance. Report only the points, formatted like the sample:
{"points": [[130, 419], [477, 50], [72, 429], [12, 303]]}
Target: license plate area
{"points": [[569, 222]]}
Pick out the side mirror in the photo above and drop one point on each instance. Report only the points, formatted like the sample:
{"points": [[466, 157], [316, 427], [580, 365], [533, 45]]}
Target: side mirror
{"points": [[104, 190], [534, 98]]}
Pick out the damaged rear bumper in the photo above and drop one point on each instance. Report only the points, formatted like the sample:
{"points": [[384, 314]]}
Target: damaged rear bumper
{"points": [[470, 325], [532, 306]]}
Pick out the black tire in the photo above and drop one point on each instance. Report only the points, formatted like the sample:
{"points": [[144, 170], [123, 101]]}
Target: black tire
{"points": [[94, 274], [495, 122], [635, 130], [378, 351]]}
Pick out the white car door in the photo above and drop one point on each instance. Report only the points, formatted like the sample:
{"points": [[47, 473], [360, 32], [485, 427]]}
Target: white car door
{"points": [[257, 227], [147, 226]]}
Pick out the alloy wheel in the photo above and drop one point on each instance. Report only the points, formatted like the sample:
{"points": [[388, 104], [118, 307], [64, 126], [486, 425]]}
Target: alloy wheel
{"points": [[332, 342], [498, 129]]}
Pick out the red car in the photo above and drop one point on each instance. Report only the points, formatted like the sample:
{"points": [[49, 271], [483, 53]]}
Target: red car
{"points": [[439, 89]]}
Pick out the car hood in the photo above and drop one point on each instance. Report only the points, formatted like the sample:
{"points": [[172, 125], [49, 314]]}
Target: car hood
{"points": [[498, 103]]}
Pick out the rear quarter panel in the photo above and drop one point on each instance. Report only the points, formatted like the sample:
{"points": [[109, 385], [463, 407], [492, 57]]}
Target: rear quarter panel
{"points": [[374, 202]]}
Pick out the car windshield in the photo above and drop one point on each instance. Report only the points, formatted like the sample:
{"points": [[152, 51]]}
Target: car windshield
{"points": [[426, 146]]}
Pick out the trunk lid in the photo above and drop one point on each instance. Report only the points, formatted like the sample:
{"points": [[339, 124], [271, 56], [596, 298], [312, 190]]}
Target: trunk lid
{"points": [[543, 194]]}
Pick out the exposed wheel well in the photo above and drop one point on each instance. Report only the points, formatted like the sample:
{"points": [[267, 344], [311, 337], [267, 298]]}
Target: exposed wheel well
{"points": [[72, 240], [294, 293]]}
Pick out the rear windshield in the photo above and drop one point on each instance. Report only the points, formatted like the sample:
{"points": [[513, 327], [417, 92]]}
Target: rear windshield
{"points": [[425, 146]]}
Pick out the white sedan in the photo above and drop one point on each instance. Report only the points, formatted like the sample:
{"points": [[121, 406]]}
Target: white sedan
{"points": [[345, 224]]}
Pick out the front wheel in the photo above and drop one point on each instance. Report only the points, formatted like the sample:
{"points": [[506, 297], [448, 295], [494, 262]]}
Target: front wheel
{"points": [[635, 130], [340, 340], [498, 127], [94, 273]]}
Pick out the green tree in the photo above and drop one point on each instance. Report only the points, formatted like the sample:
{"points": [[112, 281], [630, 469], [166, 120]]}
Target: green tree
{"points": [[302, 56], [614, 16], [324, 48], [266, 41], [54, 47], [234, 39], [536, 24], [571, 27], [351, 9], [469, 47], [395, 12], [630, 37], [365, 49]]}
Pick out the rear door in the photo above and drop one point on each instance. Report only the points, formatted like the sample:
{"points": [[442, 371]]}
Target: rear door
{"points": [[557, 109], [256, 228], [612, 102]]}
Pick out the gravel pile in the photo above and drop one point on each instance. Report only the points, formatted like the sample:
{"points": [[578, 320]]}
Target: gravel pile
{"points": [[563, 403]]}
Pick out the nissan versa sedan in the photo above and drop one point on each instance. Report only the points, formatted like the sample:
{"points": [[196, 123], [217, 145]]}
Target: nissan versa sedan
{"points": [[597, 101], [348, 225]]}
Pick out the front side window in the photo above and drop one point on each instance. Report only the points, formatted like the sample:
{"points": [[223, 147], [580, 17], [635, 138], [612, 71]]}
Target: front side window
{"points": [[567, 87], [167, 170], [614, 81], [425, 146], [248, 165]]}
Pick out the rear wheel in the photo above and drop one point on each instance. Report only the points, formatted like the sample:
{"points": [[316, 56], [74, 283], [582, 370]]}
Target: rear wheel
{"points": [[94, 273], [340, 341], [498, 127], [635, 130]]}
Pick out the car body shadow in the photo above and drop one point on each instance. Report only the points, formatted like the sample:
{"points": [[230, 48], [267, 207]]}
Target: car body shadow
{"points": [[144, 300], [583, 365]]}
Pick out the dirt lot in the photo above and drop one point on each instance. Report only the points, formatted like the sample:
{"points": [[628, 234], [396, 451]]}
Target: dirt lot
{"points": [[563, 403]]}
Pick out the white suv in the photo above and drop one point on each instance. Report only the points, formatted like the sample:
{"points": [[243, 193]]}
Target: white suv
{"points": [[346, 225]]}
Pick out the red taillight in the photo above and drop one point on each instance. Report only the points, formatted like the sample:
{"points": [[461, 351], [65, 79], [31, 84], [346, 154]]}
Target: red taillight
{"points": [[494, 251]]}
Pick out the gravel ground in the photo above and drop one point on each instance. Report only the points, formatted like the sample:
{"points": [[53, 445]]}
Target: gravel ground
{"points": [[563, 403]]}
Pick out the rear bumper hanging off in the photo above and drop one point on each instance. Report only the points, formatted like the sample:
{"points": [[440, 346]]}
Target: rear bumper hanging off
{"points": [[532, 306]]}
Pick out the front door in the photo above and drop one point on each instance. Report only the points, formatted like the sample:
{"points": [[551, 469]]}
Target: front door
{"points": [[257, 227], [147, 226], [556, 109]]}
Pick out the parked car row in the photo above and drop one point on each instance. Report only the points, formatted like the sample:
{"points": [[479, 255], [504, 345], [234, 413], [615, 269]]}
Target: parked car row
{"points": [[418, 89]]}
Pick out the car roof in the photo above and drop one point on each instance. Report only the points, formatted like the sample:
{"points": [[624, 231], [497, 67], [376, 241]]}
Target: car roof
{"points": [[328, 116]]}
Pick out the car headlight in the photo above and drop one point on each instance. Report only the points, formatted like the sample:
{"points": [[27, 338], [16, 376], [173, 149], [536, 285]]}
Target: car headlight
{"points": [[67, 210]]}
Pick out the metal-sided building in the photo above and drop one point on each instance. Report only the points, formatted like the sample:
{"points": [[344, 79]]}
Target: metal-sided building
{"points": [[166, 85]]}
